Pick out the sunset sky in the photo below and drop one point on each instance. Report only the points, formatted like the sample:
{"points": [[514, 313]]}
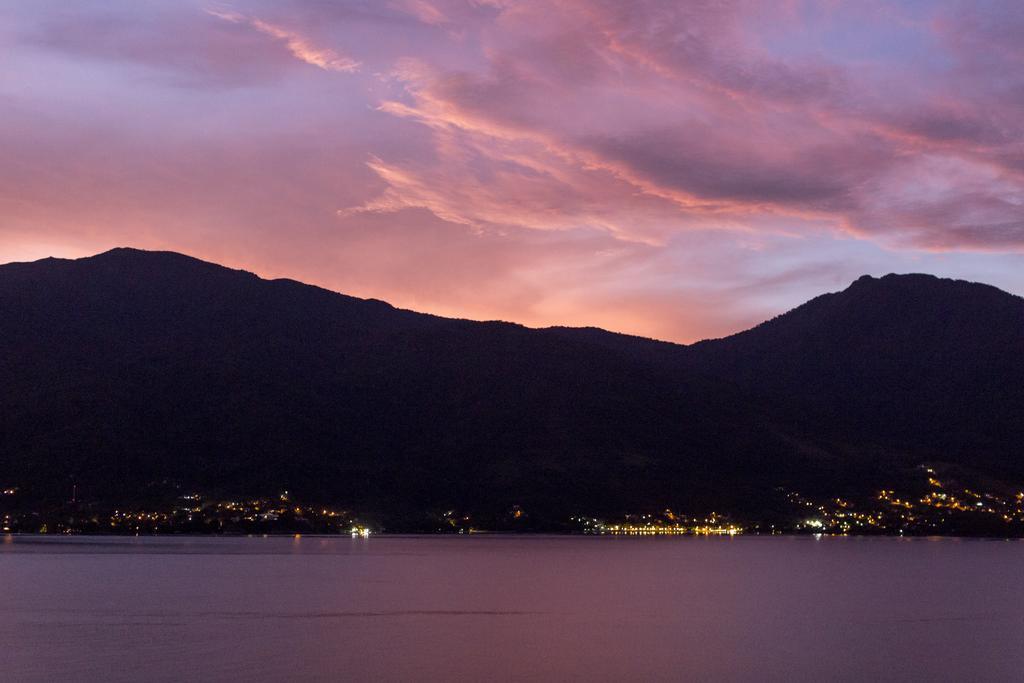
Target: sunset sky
{"points": [[676, 170]]}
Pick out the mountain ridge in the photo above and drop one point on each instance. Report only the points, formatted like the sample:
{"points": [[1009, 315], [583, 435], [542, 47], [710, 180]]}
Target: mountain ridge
{"points": [[144, 253], [131, 368]]}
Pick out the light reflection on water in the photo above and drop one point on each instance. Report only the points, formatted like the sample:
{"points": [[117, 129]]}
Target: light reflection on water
{"points": [[510, 608]]}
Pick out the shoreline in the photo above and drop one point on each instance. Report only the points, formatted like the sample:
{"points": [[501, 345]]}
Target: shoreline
{"points": [[506, 534]]}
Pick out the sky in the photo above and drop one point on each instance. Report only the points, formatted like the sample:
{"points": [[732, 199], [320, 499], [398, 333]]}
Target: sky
{"points": [[677, 170]]}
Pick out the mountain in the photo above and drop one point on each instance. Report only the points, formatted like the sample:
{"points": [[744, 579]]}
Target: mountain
{"points": [[925, 365], [130, 372]]}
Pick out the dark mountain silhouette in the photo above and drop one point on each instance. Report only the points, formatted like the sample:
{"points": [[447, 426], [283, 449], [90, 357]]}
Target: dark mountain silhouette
{"points": [[131, 371], [924, 365]]}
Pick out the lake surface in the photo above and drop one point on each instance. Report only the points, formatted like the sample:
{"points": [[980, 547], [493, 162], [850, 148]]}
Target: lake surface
{"points": [[510, 608]]}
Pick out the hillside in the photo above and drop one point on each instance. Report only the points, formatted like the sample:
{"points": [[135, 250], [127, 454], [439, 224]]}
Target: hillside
{"points": [[928, 365], [132, 373]]}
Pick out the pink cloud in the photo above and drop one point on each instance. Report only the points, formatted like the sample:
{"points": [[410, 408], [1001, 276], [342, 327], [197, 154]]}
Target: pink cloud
{"points": [[297, 44]]}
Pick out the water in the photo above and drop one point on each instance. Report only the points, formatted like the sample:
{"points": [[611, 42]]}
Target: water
{"points": [[510, 608]]}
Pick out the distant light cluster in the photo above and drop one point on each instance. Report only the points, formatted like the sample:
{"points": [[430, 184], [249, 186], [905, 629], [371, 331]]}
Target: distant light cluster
{"points": [[666, 524], [936, 506]]}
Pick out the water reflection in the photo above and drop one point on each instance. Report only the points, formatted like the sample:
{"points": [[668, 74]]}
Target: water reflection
{"points": [[510, 608]]}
